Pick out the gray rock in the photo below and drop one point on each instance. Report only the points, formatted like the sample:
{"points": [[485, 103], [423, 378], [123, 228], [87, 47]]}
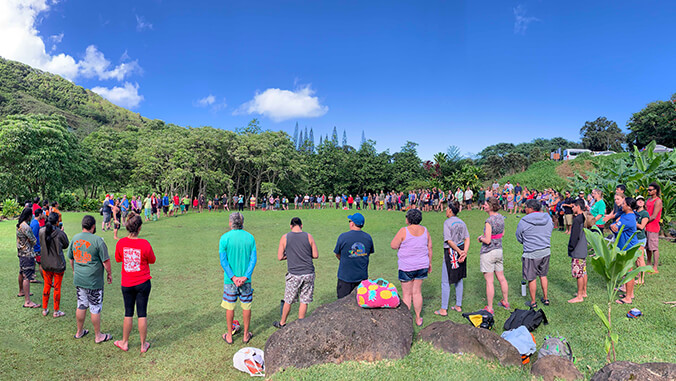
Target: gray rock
{"points": [[341, 331], [555, 367], [463, 338], [625, 370]]}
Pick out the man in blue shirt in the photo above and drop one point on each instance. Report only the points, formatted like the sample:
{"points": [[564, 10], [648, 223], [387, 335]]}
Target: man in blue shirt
{"points": [[124, 206], [352, 250], [35, 227], [628, 220], [165, 204]]}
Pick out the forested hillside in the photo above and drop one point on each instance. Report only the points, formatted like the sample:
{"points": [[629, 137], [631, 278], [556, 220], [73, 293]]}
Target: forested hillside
{"points": [[25, 90]]}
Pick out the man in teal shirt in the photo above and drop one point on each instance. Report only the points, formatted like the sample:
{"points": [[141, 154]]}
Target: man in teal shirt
{"points": [[237, 250], [88, 256]]}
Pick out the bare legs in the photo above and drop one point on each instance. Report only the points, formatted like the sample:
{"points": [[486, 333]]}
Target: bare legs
{"points": [[229, 317], [302, 310], [532, 288], [490, 289], [412, 292]]}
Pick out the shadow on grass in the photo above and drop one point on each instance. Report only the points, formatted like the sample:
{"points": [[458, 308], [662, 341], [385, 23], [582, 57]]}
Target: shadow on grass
{"points": [[174, 326]]}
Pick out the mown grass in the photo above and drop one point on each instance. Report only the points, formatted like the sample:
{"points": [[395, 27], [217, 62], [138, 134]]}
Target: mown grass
{"points": [[186, 320]]}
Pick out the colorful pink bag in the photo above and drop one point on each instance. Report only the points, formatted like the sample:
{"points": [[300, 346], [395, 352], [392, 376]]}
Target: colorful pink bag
{"points": [[370, 294]]}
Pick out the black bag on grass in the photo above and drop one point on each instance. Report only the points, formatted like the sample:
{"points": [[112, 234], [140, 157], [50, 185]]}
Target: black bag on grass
{"points": [[480, 319], [530, 318]]}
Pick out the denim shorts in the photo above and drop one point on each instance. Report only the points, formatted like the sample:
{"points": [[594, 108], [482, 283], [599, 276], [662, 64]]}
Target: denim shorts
{"points": [[407, 276]]}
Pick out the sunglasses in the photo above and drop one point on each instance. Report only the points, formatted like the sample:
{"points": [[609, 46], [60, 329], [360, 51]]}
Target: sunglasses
{"points": [[651, 189]]}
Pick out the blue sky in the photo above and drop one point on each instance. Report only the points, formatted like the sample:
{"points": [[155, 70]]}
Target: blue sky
{"points": [[439, 73]]}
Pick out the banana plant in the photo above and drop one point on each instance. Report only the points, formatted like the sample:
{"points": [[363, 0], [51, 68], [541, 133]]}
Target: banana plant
{"points": [[614, 264]]}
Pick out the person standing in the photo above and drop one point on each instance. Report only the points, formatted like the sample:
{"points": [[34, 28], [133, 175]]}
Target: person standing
{"points": [[598, 210], [124, 206], [298, 248], [468, 198], [136, 255], [105, 224], [25, 242], [88, 256], [54, 240], [534, 231], [627, 239], [117, 216], [577, 251], [37, 222], [490, 258], [568, 212], [353, 249], [652, 229], [414, 251], [454, 268], [237, 251]]}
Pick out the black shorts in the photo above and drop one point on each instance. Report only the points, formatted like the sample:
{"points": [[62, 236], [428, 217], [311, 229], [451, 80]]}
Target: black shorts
{"points": [[136, 295], [165, 209], [344, 289]]}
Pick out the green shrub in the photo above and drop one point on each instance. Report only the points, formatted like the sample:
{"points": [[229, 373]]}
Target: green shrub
{"points": [[68, 201], [11, 208], [90, 205]]}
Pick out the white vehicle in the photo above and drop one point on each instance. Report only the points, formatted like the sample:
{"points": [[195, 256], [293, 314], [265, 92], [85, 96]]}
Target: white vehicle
{"points": [[603, 153], [572, 153], [661, 148]]}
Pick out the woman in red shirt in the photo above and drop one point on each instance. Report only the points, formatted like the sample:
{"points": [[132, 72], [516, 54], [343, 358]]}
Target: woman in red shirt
{"points": [[135, 254]]}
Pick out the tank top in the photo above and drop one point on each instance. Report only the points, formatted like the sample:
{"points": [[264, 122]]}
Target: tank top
{"points": [[413, 253], [654, 225], [298, 253]]}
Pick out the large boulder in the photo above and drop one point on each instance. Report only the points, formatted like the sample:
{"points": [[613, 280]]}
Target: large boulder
{"points": [[555, 367], [341, 331], [463, 338], [626, 370]]}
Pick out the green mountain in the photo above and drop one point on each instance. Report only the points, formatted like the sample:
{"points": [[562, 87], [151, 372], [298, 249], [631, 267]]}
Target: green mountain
{"points": [[25, 90]]}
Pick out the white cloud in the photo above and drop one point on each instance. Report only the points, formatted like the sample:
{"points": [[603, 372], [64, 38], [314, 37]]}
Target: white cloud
{"points": [[279, 105], [20, 41], [206, 101], [142, 24], [126, 96], [95, 64], [212, 102], [521, 21]]}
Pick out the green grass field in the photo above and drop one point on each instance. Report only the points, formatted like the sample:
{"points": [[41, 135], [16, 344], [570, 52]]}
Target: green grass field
{"points": [[186, 321]]}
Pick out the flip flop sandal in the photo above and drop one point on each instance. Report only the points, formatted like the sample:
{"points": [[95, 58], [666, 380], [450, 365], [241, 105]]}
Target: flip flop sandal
{"points": [[278, 325], [251, 335], [59, 314], [84, 333], [459, 309], [106, 337], [438, 312], [146, 348], [544, 301], [226, 340], [31, 306], [531, 305], [504, 305], [620, 301], [118, 344], [21, 296], [45, 312]]}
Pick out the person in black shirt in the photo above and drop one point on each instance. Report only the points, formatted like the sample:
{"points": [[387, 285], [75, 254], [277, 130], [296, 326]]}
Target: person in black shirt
{"points": [[568, 212]]}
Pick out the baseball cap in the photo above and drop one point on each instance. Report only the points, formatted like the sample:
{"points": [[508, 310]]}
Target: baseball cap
{"points": [[357, 218], [639, 197]]}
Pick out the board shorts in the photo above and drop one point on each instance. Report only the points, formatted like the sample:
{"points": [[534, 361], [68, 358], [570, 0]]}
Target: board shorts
{"points": [[27, 267], [533, 268], [491, 261], [653, 240], [88, 298], [231, 293], [568, 219], [299, 288], [106, 217], [407, 276], [578, 267]]}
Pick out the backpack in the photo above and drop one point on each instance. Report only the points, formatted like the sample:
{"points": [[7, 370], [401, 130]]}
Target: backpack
{"points": [[530, 318], [558, 346], [480, 319]]}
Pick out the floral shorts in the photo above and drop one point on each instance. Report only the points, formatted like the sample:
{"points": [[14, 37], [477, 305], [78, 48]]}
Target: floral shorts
{"points": [[299, 287], [578, 267]]}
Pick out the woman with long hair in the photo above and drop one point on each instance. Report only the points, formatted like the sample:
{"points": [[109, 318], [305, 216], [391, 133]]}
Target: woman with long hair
{"points": [[25, 240], [53, 263], [136, 255]]}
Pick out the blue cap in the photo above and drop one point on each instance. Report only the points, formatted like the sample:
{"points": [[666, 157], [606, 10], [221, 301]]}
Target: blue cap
{"points": [[357, 218]]}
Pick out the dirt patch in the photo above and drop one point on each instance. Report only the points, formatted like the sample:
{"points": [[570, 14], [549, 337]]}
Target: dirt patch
{"points": [[569, 169]]}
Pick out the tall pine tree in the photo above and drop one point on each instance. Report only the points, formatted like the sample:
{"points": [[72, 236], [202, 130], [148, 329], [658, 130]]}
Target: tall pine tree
{"points": [[311, 145], [363, 138], [301, 140], [295, 136], [344, 138], [334, 137]]}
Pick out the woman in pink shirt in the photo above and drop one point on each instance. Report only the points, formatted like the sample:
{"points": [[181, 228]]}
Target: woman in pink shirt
{"points": [[414, 246]]}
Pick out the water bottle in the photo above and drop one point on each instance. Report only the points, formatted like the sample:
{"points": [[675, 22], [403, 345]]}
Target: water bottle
{"points": [[523, 287]]}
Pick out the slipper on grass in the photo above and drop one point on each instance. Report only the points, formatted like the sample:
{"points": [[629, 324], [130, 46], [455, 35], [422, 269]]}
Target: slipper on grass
{"points": [[31, 306], [504, 304], [226, 340], [21, 296], [106, 337], [532, 305], [118, 344], [621, 301], [544, 301], [248, 338], [144, 350], [438, 312], [84, 333]]}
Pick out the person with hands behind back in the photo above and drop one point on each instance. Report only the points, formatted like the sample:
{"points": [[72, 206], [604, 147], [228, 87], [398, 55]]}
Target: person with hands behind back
{"points": [[237, 251], [454, 268]]}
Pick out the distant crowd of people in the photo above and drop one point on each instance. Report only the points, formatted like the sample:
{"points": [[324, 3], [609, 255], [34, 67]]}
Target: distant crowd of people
{"points": [[40, 237]]}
